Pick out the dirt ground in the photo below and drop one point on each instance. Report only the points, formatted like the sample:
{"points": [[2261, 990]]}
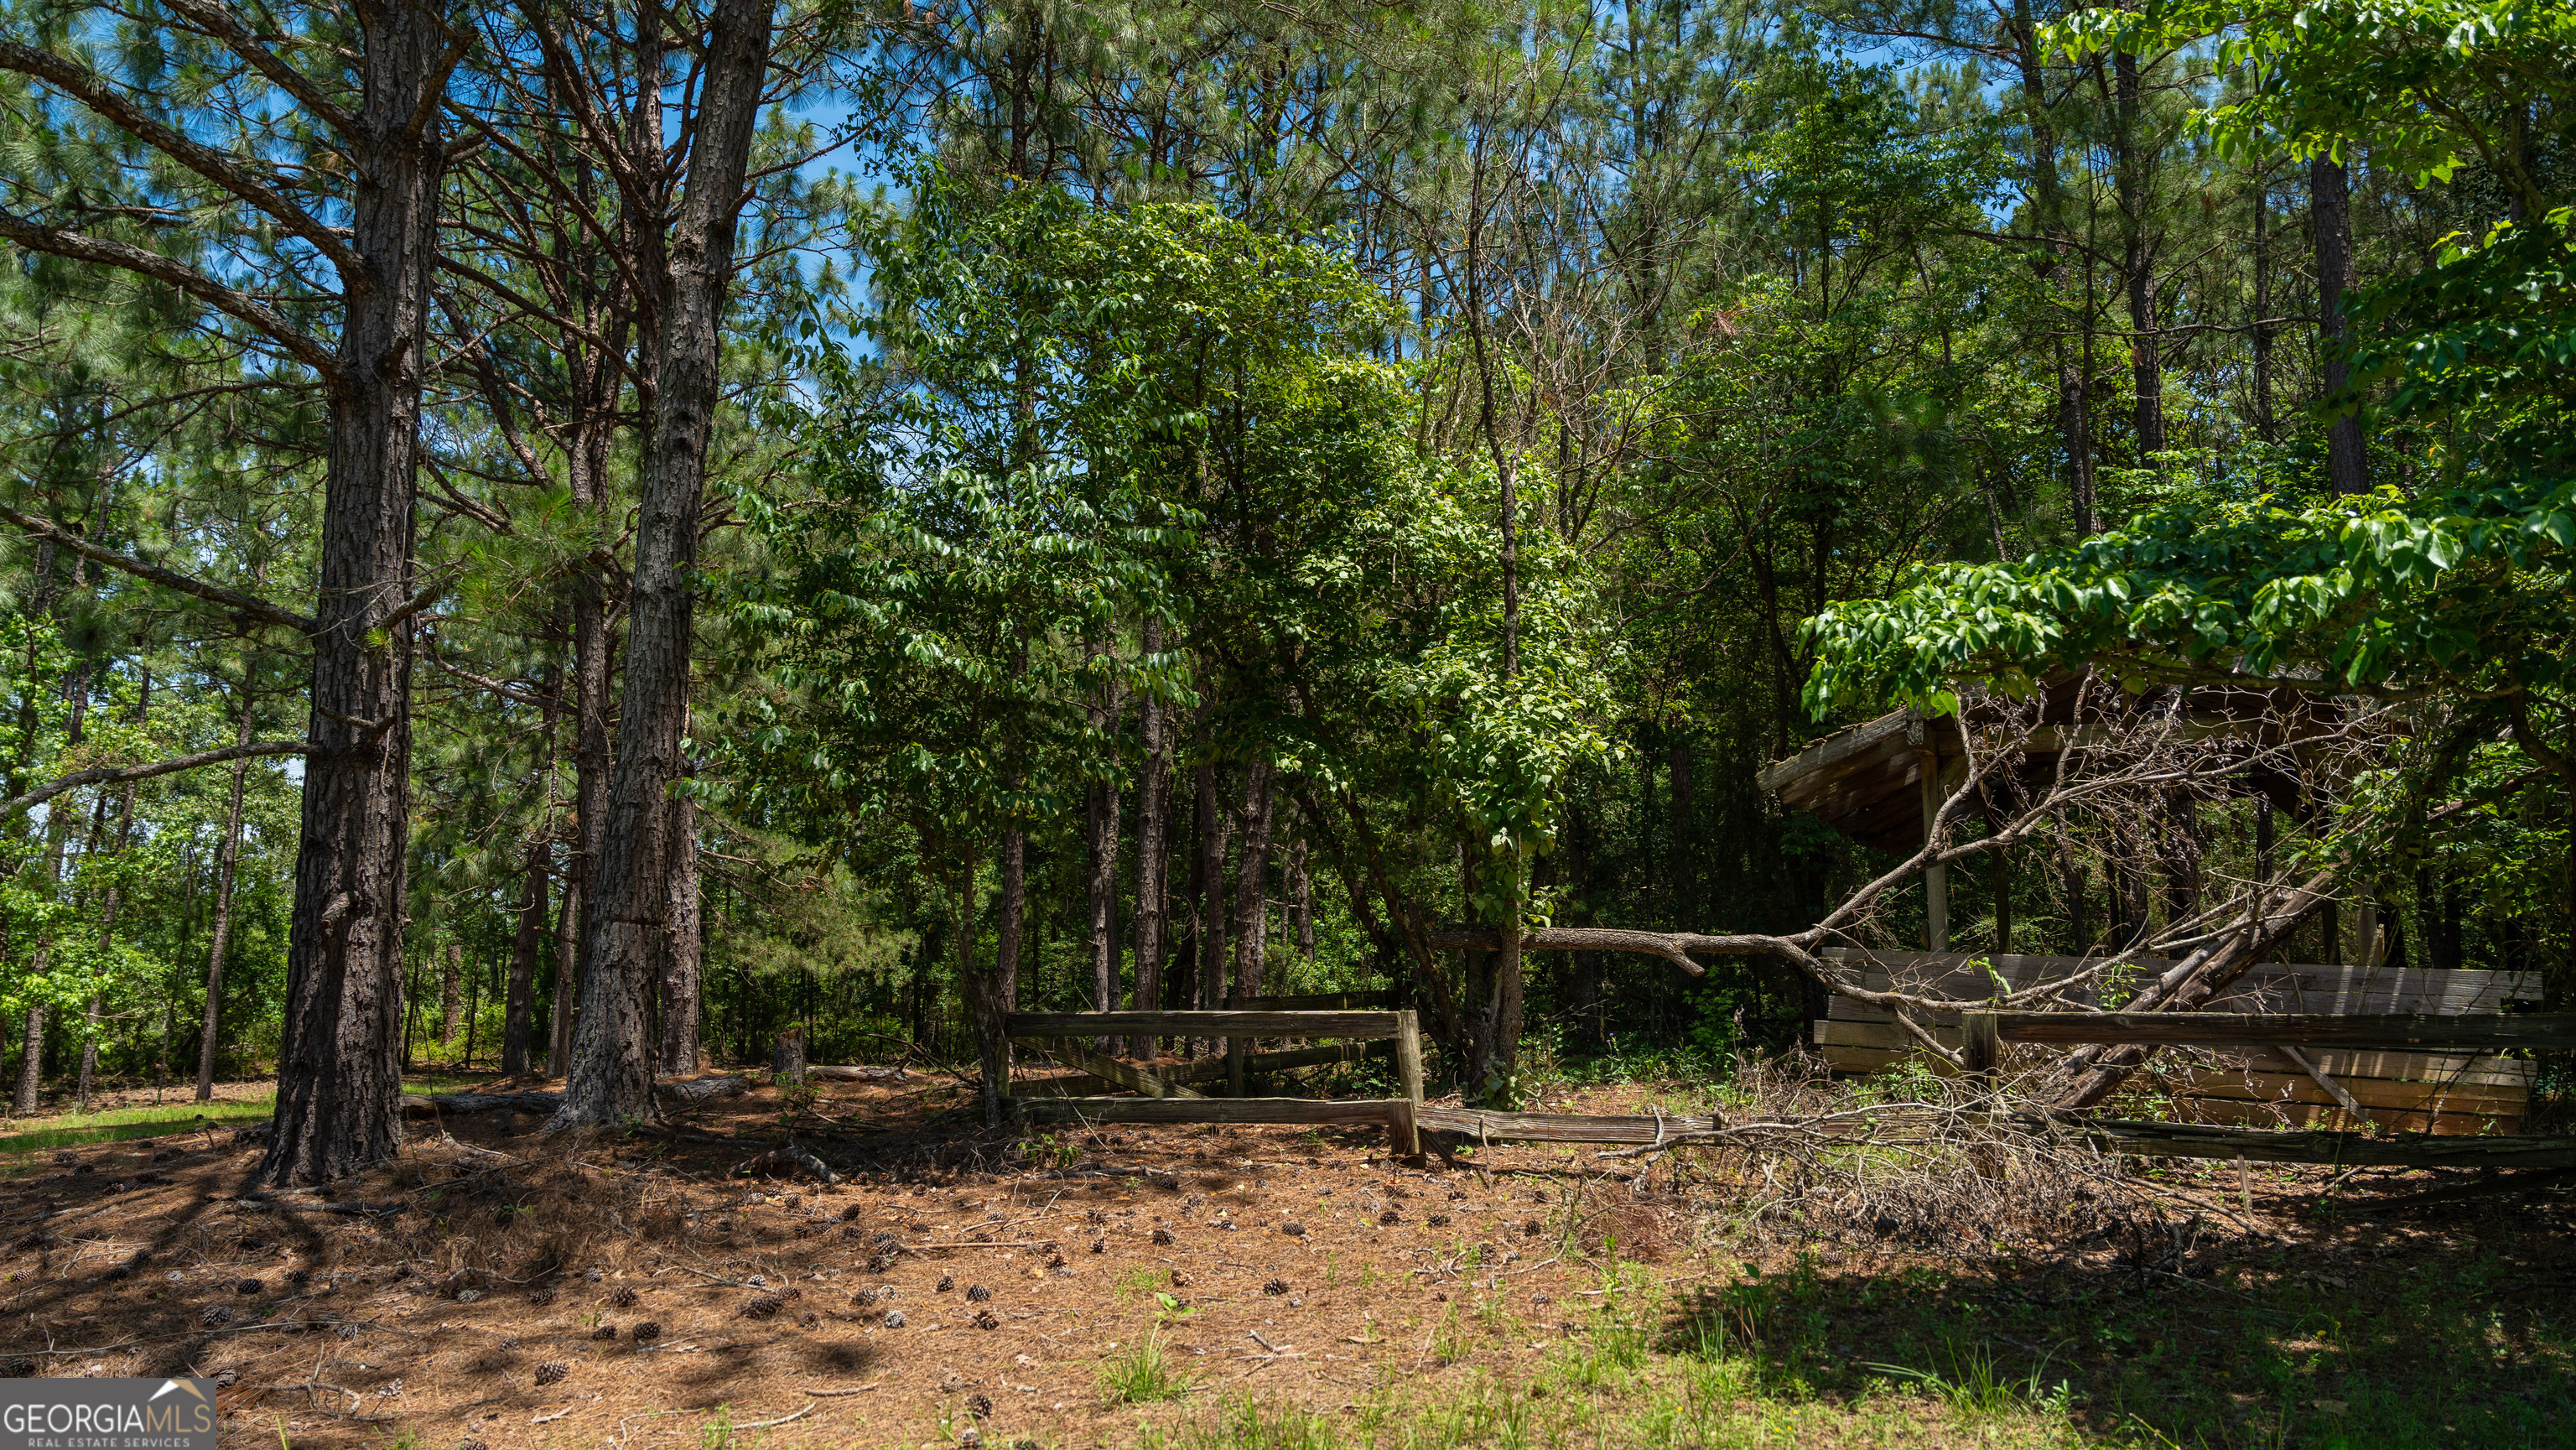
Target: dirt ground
{"points": [[496, 1288]]}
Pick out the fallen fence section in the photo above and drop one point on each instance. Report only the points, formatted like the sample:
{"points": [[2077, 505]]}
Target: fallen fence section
{"points": [[1343, 1112], [2271, 1081], [2195, 1140], [2382, 1032]]}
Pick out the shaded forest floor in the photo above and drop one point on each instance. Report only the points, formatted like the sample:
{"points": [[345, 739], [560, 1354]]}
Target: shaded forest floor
{"points": [[1246, 1287]]}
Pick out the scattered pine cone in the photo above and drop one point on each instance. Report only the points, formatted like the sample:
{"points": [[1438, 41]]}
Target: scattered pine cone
{"points": [[980, 1406], [605, 1331], [646, 1332], [947, 1282], [1457, 1195], [977, 1294], [763, 1306], [850, 1211], [1100, 1245], [248, 1286], [986, 1319], [552, 1372], [1096, 1216], [1162, 1236], [1293, 1229], [894, 1319], [216, 1316], [299, 1276], [1390, 1218], [1275, 1286], [541, 1297], [1533, 1228], [1438, 1220], [624, 1296], [808, 1319], [1180, 1280], [881, 1263], [863, 1296]]}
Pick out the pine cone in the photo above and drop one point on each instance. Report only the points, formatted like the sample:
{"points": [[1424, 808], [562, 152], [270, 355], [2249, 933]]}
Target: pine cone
{"points": [[646, 1332], [763, 1306], [552, 1372], [1533, 1228], [605, 1331], [1275, 1286], [1163, 1236], [977, 1294], [541, 1297], [1390, 1218], [947, 1282], [1438, 1220], [985, 1319], [624, 1296]]}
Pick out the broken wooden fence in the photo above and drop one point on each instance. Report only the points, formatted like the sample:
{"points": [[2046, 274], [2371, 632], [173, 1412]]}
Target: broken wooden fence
{"points": [[2413, 1086]]}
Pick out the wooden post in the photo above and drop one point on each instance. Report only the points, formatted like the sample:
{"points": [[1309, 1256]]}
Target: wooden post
{"points": [[1982, 1046], [1236, 1048], [1408, 1072], [2003, 903], [1404, 1139]]}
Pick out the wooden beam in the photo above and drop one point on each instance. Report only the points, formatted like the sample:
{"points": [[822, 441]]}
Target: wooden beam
{"points": [[1110, 1069], [1212, 1069], [2410, 1032], [1477, 1124], [1408, 1069], [1348, 1112], [1366, 1025]]}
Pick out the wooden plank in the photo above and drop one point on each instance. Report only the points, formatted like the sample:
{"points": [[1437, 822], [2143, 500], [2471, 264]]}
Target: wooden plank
{"points": [[1349, 1112], [1320, 1002], [2288, 1085], [2308, 986], [2192, 1140], [2389, 1032], [2318, 1115], [1368, 1025], [1558, 1127], [1071, 1054]]}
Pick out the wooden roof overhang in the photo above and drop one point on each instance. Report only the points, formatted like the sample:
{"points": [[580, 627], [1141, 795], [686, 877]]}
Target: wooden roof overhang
{"points": [[1866, 781]]}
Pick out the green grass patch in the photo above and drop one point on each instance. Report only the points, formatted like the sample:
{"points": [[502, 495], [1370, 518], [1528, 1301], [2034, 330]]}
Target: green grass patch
{"points": [[74, 1130], [1146, 1374]]}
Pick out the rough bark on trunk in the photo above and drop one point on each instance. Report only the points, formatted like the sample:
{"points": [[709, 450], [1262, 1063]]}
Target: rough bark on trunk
{"points": [[451, 992], [1252, 886], [684, 956], [58, 825], [2330, 212], [517, 1013], [1153, 849], [567, 1003], [610, 1077], [339, 1090], [227, 867], [1301, 898]]}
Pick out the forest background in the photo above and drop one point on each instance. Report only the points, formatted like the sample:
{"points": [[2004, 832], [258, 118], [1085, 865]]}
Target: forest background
{"points": [[855, 515]]}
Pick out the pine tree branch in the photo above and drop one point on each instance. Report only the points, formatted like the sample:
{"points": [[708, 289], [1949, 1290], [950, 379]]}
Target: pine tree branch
{"points": [[82, 247], [120, 774], [221, 23], [252, 605], [93, 91]]}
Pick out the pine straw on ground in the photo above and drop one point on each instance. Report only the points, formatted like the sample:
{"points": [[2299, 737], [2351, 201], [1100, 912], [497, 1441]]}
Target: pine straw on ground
{"points": [[501, 1288]]}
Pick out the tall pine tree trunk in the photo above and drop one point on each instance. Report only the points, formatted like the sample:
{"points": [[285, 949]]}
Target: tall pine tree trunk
{"points": [[2330, 212], [339, 1089], [2137, 257], [1153, 849], [1100, 866], [518, 1007], [611, 1073]]}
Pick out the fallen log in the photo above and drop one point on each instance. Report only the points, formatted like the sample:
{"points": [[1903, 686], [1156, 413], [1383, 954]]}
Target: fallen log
{"points": [[692, 1092], [856, 1072], [1354, 1112], [2404, 1032], [788, 1156]]}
